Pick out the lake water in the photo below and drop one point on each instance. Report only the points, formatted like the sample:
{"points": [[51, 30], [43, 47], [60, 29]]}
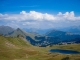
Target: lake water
{"points": [[64, 51]]}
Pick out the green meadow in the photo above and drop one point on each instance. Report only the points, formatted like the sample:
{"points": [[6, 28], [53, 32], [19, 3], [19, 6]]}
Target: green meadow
{"points": [[20, 49]]}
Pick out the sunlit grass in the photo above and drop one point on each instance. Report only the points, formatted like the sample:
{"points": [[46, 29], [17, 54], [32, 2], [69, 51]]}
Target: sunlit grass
{"points": [[18, 49]]}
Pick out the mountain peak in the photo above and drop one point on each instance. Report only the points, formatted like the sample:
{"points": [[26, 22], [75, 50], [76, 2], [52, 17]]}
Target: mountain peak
{"points": [[18, 29]]}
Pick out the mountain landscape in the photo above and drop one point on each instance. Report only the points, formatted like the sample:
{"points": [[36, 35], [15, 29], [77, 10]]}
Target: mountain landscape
{"points": [[50, 38], [39, 29], [17, 44]]}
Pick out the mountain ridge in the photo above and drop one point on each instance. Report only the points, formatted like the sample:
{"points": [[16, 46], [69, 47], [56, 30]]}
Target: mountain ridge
{"points": [[51, 37]]}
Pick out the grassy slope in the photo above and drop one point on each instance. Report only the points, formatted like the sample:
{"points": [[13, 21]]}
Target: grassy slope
{"points": [[67, 47], [23, 33], [18, 49]]}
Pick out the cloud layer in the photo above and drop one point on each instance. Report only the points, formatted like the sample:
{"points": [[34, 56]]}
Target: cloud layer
{"points": [[40, 20]]}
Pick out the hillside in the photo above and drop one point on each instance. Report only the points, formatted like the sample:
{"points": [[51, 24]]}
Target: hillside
{"points": [[19, 31], [31, 38], [50, 38], [20, 49], [63, 36], [12, 48]]}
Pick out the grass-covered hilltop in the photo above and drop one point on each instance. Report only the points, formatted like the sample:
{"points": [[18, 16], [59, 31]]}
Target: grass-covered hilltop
{"points": [[20, 45]]}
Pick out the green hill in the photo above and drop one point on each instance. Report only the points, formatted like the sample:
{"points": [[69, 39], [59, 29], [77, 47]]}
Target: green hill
{"points": [[12, 48], [22, 33], [19, 49]]}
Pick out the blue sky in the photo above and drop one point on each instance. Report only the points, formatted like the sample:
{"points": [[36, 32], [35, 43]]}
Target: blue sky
{"points": [[39, 7], [50, 6]]}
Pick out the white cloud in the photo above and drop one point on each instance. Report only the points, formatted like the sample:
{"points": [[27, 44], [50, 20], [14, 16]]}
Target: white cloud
{"points": [[38, 19], [33, 15]]}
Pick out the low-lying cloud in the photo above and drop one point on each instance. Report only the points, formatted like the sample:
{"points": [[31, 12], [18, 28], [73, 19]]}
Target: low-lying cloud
{"points": [[33, 15], [37, 19]]}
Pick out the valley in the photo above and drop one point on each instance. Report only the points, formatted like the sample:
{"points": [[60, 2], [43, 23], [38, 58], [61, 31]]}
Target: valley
{"points": [[39, 29], [18, 49], [21, 45]]}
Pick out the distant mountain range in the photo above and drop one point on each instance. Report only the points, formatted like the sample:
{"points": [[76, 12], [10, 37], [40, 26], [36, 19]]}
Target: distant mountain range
{"points": [[50, 38], [64, 36], [36, 31], [72, 29], [4, 30]]}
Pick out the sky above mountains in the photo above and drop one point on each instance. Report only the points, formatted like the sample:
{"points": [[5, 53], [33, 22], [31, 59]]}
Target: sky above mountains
{"points": [[40, 13]]}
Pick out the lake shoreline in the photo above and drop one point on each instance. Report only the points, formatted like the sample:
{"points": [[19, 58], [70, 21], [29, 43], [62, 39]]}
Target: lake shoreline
{"points": [[61, 51]]}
